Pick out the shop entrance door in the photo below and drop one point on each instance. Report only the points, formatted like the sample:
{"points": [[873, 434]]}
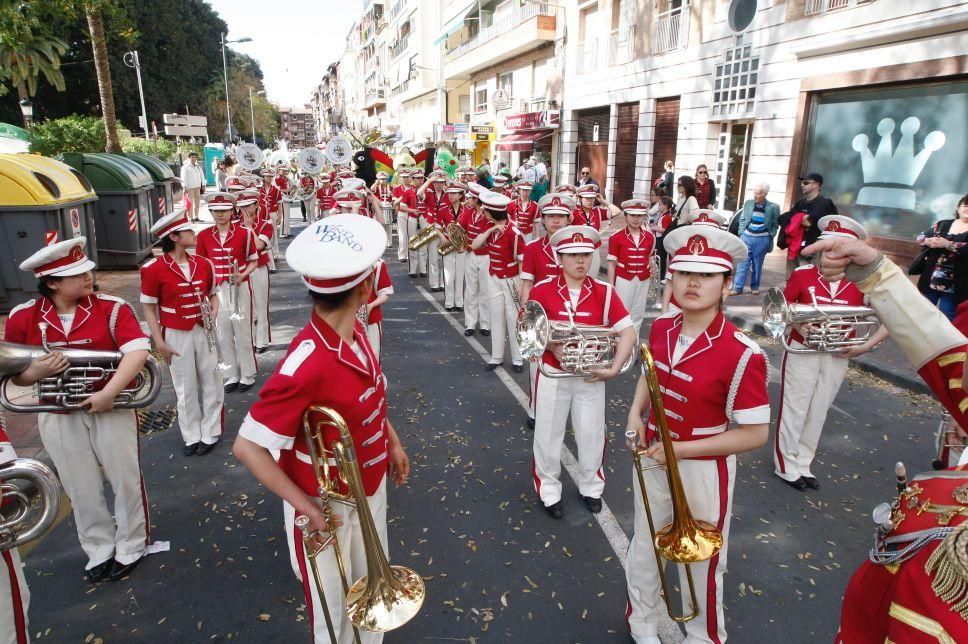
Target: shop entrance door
{"points": [[732, 162], [594, 156]]}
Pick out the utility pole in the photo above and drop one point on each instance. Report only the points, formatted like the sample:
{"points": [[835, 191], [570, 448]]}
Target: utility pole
{"points": [[131, 60]]}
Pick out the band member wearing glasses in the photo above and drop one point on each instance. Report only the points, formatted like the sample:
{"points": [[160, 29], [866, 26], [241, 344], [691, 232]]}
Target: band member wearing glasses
{"points": [[96, 442], [710, 374], [329, 363], [575, 297]]}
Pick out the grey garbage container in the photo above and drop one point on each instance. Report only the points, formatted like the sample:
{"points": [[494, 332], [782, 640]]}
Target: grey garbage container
{"points": [[161, 199]]}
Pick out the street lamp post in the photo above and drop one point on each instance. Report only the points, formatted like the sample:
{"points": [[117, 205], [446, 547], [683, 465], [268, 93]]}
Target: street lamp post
{"points": [[252, 111], [225, 71], [27, 109], [131, 60]]}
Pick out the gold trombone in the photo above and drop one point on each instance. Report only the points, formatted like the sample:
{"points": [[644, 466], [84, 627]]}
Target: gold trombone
{"points": [[685, 540], [388, 596]]}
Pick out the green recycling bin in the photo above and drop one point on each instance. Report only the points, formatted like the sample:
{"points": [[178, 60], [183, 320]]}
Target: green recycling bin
{"points": [[123, 216], [41, 201], [161, 199]]}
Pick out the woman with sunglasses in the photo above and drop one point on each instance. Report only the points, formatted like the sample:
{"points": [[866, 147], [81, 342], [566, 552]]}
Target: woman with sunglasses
{"points": [[705, 188]]}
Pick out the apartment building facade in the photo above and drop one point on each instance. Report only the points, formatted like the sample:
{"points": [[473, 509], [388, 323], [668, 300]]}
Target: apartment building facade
{"points": [[297, 126], [415, 95]]}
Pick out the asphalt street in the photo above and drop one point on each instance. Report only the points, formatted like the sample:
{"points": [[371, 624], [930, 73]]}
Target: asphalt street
{"points": [[497, 568]]}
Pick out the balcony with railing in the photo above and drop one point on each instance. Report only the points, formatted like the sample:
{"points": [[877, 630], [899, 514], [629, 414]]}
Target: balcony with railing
{"points": [[670, 31], [588, 56], [814, 7], [399, 47], [621, 45], [521, 30]]}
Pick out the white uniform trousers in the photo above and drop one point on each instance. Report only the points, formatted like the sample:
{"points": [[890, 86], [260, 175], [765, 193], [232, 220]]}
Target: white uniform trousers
{"points": [[259, 278], [310, 206], [374, 333], [455, 265], [504, 316], [417, 258], [235, 336], [709, 490], [477, 300], [197, 384], [354, 561], [809, 382], [436, 278], [14, 599], [285, 209], [387, 212], [632, 293], [80, 445], [555, 400], [402, 235], [532, 383], [276, 233]]}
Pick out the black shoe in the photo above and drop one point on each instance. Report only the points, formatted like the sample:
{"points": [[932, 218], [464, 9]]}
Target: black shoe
{"points": [[530, 423], [244, 388], [261, 350], [99, 572], [799, 484], [555, 510], [403, 261], [423, 275], [459, 308], [272, 271], [518, 368], [120, 571], [205, 448], [491, 366], [449, 309], [413, 275], [811, 482], [232, 386], [593, 504], [485, 332], [188, 450], [469, 332]]}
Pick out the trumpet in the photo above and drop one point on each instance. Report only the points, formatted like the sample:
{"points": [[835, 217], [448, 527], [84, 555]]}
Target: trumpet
{"points": [[388, 596], [422, 237], [211, 333], [234, 291], [457, 240], [19, 524], [579, 348], [67, 390], [685, 540], [825, 329]]}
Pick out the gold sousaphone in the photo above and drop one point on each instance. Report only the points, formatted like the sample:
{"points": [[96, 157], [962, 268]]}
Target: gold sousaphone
{"points": [[423, 237], [457, 240]]}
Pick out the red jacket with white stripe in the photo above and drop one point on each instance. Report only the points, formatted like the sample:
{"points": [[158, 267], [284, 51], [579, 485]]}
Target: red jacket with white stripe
{"points": [[505, 250], [593, 218], [381, 285], [539, 261], [806, 280], [238, 245], [164, 283], [631, 257], [475, 223], [320, 368], [523, 214]]}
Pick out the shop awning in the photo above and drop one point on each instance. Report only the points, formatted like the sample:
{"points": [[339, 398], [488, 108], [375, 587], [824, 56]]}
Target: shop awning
{"points": [[522, 141], [456, 22]]}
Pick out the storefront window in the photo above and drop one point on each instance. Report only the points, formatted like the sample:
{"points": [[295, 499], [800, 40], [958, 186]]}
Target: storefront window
{"points": [[895, 159]]}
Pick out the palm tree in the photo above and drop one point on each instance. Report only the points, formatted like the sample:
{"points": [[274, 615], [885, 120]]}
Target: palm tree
{"points": [[26, 53], [95, 24]]}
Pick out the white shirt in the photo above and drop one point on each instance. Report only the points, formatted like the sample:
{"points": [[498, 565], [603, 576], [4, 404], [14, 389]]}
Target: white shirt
{"points": [[192, 176], [67, 321]]}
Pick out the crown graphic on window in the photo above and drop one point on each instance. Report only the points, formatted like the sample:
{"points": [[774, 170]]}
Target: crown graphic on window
{"points": [[697, 245], [890, 173]]}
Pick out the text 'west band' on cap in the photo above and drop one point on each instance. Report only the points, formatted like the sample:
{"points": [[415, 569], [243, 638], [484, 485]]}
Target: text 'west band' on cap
{"points": [[62, 259], [337, 253], [575, 239], [703, 249], [174, 222]]}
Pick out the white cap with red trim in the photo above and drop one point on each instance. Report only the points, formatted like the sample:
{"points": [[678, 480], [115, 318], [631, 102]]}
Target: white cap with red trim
{"points": [[475, 189], [499, 180], [62, 259], [337, 253], [589, 190], [704, 217], [219, 201], [703, 249], [840, 226], [636, 206], [247, 197], [353, 183], [524, 184], [494, 200], [566, 188], [556, 203], [174, 222], [575, 239], [348, 197], [455, 186], [235, 184]]}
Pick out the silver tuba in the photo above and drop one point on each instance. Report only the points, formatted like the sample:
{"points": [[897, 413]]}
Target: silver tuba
{"points": [[66, 391], [579, 348], [825, 329], [21, 523]]}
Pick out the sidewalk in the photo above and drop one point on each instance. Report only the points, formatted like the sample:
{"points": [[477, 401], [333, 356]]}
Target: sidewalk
{"points": [[887, 362]]}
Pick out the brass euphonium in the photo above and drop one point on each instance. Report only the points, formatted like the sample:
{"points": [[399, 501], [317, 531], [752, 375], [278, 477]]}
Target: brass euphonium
{"points": [[825, 329], [388, 596], [66, 390], [457, 240], [422, 237], [19, 523], [685, 540]]}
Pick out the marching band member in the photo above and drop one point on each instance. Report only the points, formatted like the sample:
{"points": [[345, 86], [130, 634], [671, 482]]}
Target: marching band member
{"points": [[269, 202], [349, 200], [418, 221], [809, 382], [433, 196], [384, 194], [308, 203], [379, 294], [172, 286], [69, 315], [324, 197], [575, 296], [14, 593], [628, 260], [501, 185], [280, 183], [504, 246], [454, 262], [701, 397], [232, 247], [588, 213], [405, 203], [263, 231], [523, 211], [700, 217], [477, 302], [467, 175], [329, 363]]}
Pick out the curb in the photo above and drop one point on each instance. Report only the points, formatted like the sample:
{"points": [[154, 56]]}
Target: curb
{"points": [[905, 380]]}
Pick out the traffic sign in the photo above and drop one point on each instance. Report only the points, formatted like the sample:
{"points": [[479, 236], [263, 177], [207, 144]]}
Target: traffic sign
{"points": [[183, 119], [186, 130]]}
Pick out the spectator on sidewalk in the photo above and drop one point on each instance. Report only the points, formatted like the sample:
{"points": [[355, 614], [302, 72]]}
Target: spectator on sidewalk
{"points": [[668, 177], [527, 172], [220, 176], [585, 177], [812, 206], [943, 265], [686, 201], [705, 188], [193, 181], [758, 224]]}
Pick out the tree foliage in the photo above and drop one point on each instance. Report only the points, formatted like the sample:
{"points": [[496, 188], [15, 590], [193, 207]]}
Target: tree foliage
{"points": [[69, 134], [28, 50], [164, 150]]}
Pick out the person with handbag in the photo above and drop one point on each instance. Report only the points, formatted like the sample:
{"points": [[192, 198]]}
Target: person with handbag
{"points": [[942, 263]]}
